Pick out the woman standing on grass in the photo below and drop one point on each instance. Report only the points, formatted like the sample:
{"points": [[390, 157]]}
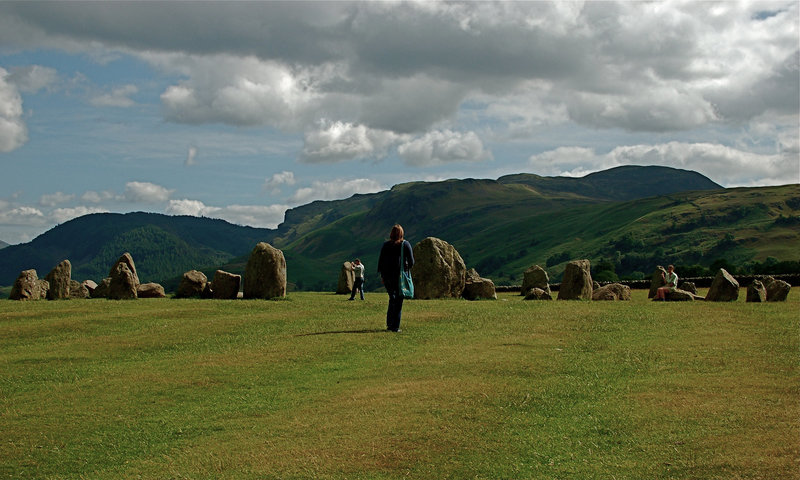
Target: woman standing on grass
{"points": [[389, 270]]}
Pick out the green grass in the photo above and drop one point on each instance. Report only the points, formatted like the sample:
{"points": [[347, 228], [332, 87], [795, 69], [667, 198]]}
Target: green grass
{"points": [[312, 387]]}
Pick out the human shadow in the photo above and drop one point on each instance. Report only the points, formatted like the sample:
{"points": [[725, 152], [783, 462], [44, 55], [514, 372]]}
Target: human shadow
{"points": [[334, 332]]}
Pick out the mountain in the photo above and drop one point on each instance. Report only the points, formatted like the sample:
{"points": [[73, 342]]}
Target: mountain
{"points": [[3, 244], [625, 219], [162, 246]]}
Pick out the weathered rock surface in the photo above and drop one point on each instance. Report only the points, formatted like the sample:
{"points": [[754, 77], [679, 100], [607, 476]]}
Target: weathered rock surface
{"points": [[59, 279], [28, 286], [90, 285], [476, 287], [679, 295], [612, 291], [538, 294], [225, 285], [150, 290], [346, 279], [535, 277], [657, 281], [438, 271], [127, 259], [778, 290], [101, 291], [192, 284], [724, 288], [265, 274], [577, 282], [688, 287], [78, 290], [756, 293], [123, 283]]}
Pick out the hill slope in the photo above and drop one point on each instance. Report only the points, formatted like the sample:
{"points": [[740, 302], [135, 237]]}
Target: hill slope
{"points": [[162, 246], [629, 217]]}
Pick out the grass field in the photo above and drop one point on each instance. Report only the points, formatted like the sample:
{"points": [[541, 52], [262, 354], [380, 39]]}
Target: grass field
{"points": [[312, 387]]}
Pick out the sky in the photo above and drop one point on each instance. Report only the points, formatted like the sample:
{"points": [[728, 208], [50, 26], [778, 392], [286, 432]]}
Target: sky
{"points": [[241, 110]]}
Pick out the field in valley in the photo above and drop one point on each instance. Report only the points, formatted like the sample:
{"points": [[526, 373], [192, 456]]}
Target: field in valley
{"points": [[313, 387]]}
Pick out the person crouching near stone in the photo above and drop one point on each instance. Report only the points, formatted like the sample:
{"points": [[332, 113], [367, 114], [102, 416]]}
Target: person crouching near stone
{"points": [[358, 283], [671, 281]]}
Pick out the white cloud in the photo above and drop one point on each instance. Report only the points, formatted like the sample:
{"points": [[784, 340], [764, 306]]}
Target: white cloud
{"points": [[336, 189], [725, 165], [13, 131], [97, 197], [22, 215], [274, 184], [339, 141], [146, 192], [57, 198], [442, 147], [190, 156], [61, 215], [117, 97], [262, 216], [32, 78]]}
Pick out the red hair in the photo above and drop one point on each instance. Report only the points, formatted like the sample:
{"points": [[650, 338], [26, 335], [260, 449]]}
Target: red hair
{"points": [[396, 234]]}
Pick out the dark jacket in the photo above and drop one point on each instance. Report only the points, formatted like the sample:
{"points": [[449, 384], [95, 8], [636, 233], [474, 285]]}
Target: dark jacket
{"points": [[389, 261]]}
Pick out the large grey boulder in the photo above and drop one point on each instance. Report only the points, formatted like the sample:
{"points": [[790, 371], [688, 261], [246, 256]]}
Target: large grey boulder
{"points": [[123, 284], [59, 279], [347, 277], [438, 271], [688, 287], [679, 295], [78, 290], [657, 281], [150, 290], [756, 293], [90, 286], [28, 286], [724, 288], [225, 285], [778, 290], [192, 284], [265, 273], [535, 277], [577, 282], [612, 291], [476, 287]]}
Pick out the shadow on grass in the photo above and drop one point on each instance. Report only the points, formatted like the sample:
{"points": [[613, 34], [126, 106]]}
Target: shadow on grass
{"points": [[375, 330]]}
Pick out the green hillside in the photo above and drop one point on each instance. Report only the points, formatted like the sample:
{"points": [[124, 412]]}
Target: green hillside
{"points": [[625, 220]]}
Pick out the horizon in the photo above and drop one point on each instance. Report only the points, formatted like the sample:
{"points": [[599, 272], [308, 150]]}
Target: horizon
{"points": [[242, 111]]}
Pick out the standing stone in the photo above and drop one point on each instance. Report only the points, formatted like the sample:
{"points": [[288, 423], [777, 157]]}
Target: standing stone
{"points": [[778, 290], [688, 287], [756, 292], [657, 281], [476, 287], [90, 286], [438, 271], [78, 290], [192, 284], [538, 294], [59, 278], [612, 291], [28, 286], [101, 291], [347, 278], [265, 273], [150, 290], [225, 285], [535, 277], [127, 259], [123, 283], [679, 295], [577, 282], [724, 288]]}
